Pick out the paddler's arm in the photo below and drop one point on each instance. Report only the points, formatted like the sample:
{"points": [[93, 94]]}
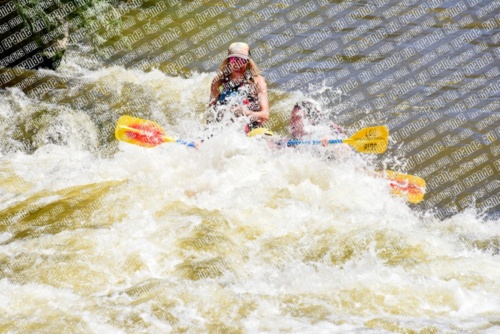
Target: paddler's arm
{"points": [[262, 115], [214, 91], [214, 96]]}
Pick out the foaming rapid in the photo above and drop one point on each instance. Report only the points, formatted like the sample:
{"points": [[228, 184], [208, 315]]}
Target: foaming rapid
{"points": [[233, 237]]}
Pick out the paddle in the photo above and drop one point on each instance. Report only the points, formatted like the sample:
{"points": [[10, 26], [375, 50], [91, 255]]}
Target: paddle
{"points": [[367, 140], [410, 186], [143, 133]]}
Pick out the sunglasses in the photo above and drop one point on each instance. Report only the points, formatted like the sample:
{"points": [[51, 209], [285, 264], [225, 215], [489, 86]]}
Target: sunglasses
{"points": [[239, 60]]}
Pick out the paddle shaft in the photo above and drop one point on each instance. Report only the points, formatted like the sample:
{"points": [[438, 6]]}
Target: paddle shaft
{"points": [[295, 142]]}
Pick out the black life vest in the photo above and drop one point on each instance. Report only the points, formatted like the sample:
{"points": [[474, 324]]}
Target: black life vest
{"points": [[239, 93], [231, 92]]}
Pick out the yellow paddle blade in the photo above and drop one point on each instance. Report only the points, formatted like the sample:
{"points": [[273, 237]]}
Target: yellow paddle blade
{"points": [[260, 131], [410, 186], [370, 140], [140, 132]]}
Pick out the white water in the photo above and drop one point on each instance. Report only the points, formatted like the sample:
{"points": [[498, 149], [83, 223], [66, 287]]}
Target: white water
{"points": [[231, 237]]}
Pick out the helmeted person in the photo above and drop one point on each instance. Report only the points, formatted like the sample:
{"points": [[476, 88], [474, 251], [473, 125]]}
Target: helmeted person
{"points": [[239, 89]]}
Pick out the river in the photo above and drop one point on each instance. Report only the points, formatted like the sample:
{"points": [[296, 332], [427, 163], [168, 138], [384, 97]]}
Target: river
{"points": [[100, 236]]}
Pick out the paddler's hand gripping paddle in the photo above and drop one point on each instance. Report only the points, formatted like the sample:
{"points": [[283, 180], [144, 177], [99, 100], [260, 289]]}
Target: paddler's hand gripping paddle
{"points": [[367, 140], [143, 133]]}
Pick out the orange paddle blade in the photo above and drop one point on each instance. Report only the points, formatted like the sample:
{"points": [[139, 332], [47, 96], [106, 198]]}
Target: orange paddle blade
{"points": [[410, 186], [139, 132]]}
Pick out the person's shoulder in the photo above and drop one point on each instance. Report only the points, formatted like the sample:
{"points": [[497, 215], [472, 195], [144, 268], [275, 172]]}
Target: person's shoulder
{"points": [[260, 80], [217, 81], [218, 77]]}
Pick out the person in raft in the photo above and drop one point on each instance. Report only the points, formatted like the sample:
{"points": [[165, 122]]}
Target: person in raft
{"points": [[239, 89], [308, 121]]}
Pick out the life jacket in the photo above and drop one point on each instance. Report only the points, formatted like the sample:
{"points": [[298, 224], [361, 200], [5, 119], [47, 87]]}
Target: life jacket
{"points": [[239, 93]]}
